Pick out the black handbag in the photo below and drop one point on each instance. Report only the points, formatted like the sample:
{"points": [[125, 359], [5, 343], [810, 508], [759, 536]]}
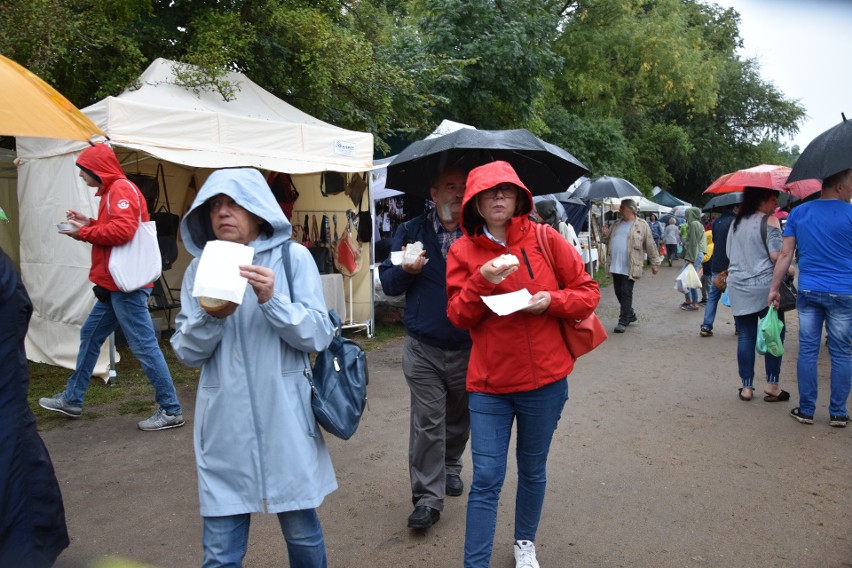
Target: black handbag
{"points": [[364, 223], [787, 290], [788, 293], [339, 376]]}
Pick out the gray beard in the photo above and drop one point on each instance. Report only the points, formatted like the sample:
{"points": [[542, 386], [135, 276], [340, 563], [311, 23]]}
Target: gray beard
{"points": [[444, 213]]}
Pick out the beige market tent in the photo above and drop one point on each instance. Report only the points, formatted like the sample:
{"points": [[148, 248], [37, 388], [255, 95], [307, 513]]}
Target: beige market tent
{"points": [[189, 134]]}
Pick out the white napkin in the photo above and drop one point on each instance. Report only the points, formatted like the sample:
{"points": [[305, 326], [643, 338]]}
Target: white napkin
{"points": [[505, 304], [218, 274]]}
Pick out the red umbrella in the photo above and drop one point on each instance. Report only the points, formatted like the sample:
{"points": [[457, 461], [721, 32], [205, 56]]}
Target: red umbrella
{"points": [[764, 175]]}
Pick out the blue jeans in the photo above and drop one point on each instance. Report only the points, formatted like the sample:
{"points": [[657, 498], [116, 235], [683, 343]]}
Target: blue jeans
{"points": [[712, 304], [130, 310], [836, 311], [692, 294], [491, 418], [747, 341], [225, 539]]}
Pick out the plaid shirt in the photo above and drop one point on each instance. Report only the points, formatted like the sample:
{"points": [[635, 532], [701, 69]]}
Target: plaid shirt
{"points": [[445, 237]]}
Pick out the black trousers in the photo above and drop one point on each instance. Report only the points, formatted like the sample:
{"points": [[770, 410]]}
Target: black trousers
{"points": [[623, 286]]}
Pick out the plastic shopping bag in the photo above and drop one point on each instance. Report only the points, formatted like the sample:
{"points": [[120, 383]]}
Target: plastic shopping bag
{"points": [[693, 280], [769, 334], [680, 281], [726, 301]]}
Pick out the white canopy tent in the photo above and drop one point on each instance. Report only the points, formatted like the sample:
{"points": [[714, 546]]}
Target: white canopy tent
{"points": [[189, 134], [645, 205]]}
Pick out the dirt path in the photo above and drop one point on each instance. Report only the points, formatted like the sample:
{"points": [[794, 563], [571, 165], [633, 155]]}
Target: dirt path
{"points": [[655, 463]]}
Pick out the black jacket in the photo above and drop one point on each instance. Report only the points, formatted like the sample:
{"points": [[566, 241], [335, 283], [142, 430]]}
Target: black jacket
{"points": [[32, 518], [425, 316]]}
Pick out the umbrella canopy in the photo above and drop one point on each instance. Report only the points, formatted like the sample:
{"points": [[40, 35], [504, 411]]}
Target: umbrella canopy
{"points": [[722, 201], [606, 186], [767, 176], [544, 168], [31, 107], [827, 154]]}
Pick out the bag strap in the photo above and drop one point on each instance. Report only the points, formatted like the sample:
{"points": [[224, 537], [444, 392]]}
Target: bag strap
{"points": [[285, 261], [763, 231], [161, 174], [541, 236], [138, 201]]}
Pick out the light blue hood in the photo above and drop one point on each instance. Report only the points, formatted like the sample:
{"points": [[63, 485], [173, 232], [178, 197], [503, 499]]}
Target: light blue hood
{"points": [[249, 189]]}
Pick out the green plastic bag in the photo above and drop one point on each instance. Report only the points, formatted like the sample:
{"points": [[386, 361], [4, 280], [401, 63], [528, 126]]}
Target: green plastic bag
{"points": [[769, 334]]}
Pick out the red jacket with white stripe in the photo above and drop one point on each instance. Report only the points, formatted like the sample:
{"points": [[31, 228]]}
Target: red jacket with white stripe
{"points": [[121, 207]]}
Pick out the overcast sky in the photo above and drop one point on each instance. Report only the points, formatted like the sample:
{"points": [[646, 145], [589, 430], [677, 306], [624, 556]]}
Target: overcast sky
{"points": [[804, 48]]}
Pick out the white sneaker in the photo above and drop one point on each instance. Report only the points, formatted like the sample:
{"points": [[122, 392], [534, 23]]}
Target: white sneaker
{"points": [[525, 554]]}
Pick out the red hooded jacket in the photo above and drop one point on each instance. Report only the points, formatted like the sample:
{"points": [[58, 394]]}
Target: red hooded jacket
{"points": [[119, 211], [521, 351]]}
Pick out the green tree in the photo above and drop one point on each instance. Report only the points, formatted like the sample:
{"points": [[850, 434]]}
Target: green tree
{"points": [[503, 51]]}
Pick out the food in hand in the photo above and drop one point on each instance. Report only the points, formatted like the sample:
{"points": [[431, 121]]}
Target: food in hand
{"points": [[213, 306], [412, 251], [506, 261]]}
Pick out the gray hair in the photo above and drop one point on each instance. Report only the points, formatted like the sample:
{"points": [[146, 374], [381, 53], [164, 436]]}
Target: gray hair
{"points": [[629, 203]]}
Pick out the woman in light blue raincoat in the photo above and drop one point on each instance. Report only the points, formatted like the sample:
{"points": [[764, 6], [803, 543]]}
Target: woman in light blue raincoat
{"points": [[257, 445]]}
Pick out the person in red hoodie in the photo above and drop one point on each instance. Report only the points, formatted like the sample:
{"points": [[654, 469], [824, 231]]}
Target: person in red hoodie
{"points": [[519, 363], [119, 213]]}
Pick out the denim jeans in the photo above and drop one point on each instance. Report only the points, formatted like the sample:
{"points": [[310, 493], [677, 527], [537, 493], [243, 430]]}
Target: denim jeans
{"points": [[747, 341], [692, 294], [225, 539], [491, 418], [835, 310], [130, 310], [623, 286], [712, 304]]}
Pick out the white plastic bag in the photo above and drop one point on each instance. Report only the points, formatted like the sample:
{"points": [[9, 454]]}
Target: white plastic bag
{"points": [[692, 278], [137, 262], [680, 281]]}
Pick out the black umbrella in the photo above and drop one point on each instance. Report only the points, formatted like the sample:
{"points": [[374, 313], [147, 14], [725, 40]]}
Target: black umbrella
{"points": [[722, 201], [606, 186], [582, 191], [827, 154], [544, 168]]}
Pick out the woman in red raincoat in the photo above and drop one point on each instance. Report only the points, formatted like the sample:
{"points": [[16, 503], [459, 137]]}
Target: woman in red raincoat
{"points": [[519, 362]]}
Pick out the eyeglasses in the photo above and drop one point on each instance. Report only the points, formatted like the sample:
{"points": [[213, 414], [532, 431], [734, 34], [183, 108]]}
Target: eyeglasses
{"points": [[507, 190]]}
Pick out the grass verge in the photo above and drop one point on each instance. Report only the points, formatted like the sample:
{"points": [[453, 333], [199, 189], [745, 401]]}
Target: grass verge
{"points": [[131, 393]]}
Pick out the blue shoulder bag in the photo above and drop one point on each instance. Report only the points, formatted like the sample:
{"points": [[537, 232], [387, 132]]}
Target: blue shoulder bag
{"points": [[338, 378]]}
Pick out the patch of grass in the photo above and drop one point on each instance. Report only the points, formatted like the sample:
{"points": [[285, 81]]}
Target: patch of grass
{"points": [[131, 393], [602, 277], [382, 333]]}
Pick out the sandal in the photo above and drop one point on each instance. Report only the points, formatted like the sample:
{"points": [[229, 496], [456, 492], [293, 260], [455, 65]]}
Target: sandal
{"points": [[782, 396], [741, 394]]}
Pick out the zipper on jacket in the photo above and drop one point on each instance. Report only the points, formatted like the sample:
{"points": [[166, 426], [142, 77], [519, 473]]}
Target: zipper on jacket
{"points": [[527, 262]]}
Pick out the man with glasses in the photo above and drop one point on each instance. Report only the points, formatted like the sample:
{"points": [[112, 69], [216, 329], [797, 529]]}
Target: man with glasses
{"points": [[435, 355], [627, 243]]}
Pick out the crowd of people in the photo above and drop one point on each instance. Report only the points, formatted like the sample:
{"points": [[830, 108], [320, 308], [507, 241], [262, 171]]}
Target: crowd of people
{"points": [[257, 446]]}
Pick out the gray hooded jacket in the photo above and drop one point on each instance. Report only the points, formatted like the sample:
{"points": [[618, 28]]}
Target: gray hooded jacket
{"points": [[257, 444]]}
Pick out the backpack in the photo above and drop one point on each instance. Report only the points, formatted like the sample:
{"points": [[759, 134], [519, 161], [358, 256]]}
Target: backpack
{"points": [[284, 191], [339, 375]]}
